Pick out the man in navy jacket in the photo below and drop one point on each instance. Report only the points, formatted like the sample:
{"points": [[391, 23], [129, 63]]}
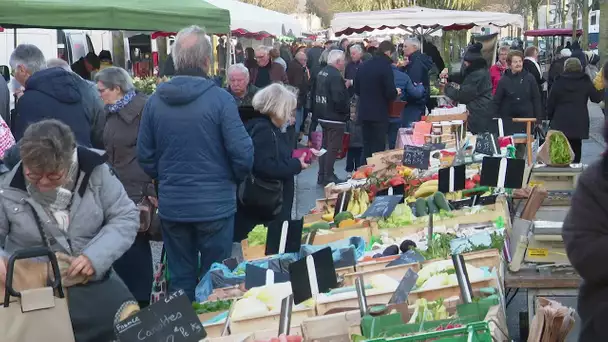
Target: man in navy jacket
{"points": [[193, 142], [375, 86]]}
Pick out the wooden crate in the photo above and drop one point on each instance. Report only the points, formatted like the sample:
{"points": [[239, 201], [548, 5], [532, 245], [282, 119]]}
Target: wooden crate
{"points": [[336, 327], [381, 160], [376, 264], [374, 297], [342, 271], [253, 252], [395, 272], [562, 179], [312, 218], [366, 231], [322, 204], [268, 321], [448, 291], [500, 208], [257, 335]]}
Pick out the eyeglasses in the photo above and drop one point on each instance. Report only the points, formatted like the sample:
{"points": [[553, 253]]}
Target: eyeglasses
{"points": [[102, 90], [53, 176]]}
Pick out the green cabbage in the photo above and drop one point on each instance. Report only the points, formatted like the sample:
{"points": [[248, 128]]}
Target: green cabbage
{"points": [[257, 237]]}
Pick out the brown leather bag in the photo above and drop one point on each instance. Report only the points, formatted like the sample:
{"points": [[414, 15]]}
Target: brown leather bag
{"points": [[149, 222]]}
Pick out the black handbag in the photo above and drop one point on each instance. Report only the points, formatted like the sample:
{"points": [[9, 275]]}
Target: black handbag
{"points": [[262, 197]]}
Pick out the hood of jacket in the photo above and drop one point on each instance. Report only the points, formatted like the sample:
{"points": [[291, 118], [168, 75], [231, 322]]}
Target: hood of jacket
{"points": [[422, 58], [57, 83], [571, 81], [249, 113], [181, 90]]}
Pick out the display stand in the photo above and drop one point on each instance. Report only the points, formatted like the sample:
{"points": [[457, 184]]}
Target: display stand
{"points": [[528, 139]]}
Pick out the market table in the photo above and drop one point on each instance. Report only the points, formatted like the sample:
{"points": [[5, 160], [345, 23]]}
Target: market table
{"points": [[558, 285]]}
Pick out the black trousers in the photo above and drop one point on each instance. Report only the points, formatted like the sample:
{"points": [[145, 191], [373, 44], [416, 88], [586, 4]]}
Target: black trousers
{"points": [[353, 158], [333, 134], [577, 147], [374, 137]]}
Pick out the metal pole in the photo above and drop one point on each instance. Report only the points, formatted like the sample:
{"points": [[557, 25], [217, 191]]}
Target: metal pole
{"points": [[463, 278], [361, 297], [285, 318]]}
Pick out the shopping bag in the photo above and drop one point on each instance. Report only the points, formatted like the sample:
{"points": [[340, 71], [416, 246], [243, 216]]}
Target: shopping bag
{"points": [[35, 314], [161, 279], [344, 149], [6, 138], [316, 139], [544, 153]]}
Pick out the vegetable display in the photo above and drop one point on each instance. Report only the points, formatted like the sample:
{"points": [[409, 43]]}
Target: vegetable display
{"points": [[426, 311], [559, 151], [215, 306], [257, 237]]}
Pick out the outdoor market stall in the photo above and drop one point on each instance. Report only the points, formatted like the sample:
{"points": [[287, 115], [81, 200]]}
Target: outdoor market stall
{"points": [[419, 20]]}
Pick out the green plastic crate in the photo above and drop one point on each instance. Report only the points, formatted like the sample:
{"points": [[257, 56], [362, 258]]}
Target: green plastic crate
{"points": [[472, 332], [392, 325]]}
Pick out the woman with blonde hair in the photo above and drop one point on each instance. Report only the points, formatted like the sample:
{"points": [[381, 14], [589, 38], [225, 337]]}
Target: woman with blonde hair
{"points": [[272, 109]]}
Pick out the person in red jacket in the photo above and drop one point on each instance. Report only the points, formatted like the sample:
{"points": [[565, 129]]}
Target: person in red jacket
{"points": [[499, 67]]}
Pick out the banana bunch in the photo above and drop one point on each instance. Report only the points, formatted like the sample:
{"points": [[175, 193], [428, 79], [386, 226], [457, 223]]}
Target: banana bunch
{"points": [[427, 188], [358, 203], [454, 196]]}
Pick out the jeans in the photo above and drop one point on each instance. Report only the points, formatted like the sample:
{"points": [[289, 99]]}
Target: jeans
{"points": [[393, 129], [332, 142], [299, 119], [183, 243], [353, 158], [374, 137]]}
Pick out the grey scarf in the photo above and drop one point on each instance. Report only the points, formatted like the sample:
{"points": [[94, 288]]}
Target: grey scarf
{"points": [[56, 202]]}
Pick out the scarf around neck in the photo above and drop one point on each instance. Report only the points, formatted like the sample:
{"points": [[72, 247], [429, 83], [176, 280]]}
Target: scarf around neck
{"points": [[56, 202], [120, 104]]}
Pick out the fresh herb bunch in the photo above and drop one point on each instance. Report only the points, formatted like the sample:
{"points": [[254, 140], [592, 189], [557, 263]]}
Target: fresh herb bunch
{"points": [[438, 247], [215, 306]]}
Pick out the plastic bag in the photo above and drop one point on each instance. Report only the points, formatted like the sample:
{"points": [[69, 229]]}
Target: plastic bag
{"points": [[544, 153]]}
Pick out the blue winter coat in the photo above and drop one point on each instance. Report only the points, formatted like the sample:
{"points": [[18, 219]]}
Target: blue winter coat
{"points": [[55, 94], [409, 92], [418, 71], [375, 86], [192, 141]]}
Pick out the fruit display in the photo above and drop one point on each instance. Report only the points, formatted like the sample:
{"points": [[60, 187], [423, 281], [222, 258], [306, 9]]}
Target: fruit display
{"points": [[345, 215], [427, 188], [359, 202]]}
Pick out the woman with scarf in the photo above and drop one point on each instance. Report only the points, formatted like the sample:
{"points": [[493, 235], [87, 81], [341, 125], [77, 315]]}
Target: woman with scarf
{"points": [[499, 68], [531, 65], [474, 89], [66, 198], [124, 106]]}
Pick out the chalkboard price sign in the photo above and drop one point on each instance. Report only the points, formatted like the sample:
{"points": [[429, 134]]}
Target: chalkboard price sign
{"points": [[416, 157], [383, 206], [170, 320], [487, 143]]}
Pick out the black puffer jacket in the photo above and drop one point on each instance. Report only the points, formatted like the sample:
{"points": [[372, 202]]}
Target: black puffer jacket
{"points": [[567, 104], [332, 100], [517, 96], [556, 69], [476, 92], [585, 233]]}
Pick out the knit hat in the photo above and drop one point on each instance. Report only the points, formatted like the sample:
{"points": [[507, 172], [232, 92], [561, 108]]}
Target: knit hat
{"points": [[565, 53], [473, 53]]}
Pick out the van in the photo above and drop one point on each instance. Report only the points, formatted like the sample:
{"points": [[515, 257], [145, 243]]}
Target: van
{"points": [[69, 45]]}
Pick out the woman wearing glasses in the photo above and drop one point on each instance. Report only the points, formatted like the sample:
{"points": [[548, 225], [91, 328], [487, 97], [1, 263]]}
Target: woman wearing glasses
{"points": [[67, 199], [124, 106]]}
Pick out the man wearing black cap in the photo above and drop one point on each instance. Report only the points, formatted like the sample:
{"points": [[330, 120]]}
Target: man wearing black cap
{"points": [[375, 86], [86, 65]]}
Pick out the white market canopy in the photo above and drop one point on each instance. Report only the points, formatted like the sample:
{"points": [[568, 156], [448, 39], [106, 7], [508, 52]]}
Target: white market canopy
{"points": [[419, 20], [247, 19]]}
